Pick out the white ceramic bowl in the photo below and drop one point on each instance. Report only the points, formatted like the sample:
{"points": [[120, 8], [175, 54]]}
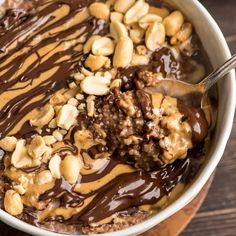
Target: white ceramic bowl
{"points": [[218, 52]]}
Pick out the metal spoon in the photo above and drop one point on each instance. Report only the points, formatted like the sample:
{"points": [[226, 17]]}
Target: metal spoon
{"points": [[192, 92]]}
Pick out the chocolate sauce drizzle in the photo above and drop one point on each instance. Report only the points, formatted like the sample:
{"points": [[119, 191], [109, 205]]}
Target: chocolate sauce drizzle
{"points": [[197, 120], [123, 192], [41, 22], [131, 190]]}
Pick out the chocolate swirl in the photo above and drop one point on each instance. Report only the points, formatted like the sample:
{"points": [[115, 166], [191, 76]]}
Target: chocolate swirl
{"points": [[44, 50], [121, 193]]}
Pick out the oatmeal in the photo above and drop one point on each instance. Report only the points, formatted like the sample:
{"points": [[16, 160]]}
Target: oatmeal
{"points": [[84, 147]]}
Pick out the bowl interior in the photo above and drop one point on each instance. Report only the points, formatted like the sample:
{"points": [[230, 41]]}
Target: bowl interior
{"points": [[218, 52]]}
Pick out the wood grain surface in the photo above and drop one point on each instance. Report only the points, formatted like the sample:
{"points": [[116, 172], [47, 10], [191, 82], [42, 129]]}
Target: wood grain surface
{"points": [[175, 224], [217, 215]]}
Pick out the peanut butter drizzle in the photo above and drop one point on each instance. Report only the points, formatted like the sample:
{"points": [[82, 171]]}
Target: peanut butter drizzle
{"points": [[66, 213], [44, 51], [86, 188]]}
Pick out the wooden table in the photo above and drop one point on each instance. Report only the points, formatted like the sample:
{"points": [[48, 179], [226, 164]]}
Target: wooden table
{"points": [[217, 215]]}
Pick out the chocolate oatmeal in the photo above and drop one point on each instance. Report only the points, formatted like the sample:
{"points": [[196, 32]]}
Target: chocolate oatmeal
{"points": [[84, 147]]}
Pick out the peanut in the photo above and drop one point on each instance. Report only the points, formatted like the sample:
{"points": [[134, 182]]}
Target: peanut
{"points": [[57, 135], [20, 158], [88, 45], [108, 75], [173, 23], [184, 33], [79, 96], [44, 116], [138, 60], [57, 99], [103, 47], [43, 177], [141, 50], [86, 72], [139, 9], [90, 105], [123, 5], [123, 52], [78, 76], [37, 147], [118, 30], [19, 189], [136, 33], [47, 154], [8, 143], [70, 168], [13, 203], [67, 116], [95, 62], [72, 85], [116, 16], [145, 21], [95, 85], [54, 166], [72, 101], [52, 124], [162, 12], [116, 83], [155, 36], [99, 10]]}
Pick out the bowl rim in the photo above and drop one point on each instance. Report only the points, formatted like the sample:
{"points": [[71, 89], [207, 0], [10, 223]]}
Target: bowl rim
{"points": [[192, 190]]}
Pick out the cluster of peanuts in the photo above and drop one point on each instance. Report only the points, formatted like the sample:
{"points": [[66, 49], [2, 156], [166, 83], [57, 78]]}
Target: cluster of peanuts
{"points": [[135, 30], [18, 195], [60, 116]]}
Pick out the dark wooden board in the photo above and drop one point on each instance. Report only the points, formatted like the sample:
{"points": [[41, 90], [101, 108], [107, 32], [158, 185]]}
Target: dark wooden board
{"points": [[175, 224], [217, 215]]}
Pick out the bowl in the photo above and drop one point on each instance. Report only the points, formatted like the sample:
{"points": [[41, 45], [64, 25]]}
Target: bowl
{"points": [[218, 52]]}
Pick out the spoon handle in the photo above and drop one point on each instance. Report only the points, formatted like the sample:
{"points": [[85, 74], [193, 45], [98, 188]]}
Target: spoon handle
{"points": [[212, 78]]}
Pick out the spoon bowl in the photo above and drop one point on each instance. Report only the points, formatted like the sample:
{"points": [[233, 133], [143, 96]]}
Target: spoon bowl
{"points": [[192, 93]]}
